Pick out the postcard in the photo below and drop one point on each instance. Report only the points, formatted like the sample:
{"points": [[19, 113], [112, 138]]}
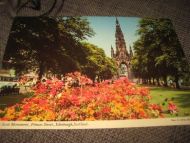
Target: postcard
{"points": [[93, 72]]}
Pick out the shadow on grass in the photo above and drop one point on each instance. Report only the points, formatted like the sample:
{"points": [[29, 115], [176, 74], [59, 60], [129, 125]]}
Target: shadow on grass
{"points": [[9, 100], [183, 99], [180, 96], [158, 88]]}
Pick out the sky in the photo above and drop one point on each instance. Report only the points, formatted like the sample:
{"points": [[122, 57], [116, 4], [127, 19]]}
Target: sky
{"points": [[104, 27]]}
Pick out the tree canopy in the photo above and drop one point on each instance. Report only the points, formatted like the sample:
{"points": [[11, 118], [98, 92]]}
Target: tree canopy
{"points": [[97, 64], [158, 53], [47, 45]]}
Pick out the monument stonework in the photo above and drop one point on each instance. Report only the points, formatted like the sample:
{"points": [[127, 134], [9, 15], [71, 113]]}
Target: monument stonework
{"points": [[120, 54]]}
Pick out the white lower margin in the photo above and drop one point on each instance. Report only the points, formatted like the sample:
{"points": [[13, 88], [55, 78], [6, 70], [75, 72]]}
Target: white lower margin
{"points": [[94, 124]]}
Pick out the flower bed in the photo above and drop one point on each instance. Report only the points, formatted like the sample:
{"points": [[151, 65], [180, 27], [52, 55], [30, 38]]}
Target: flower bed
{"points": [[77, 99]]}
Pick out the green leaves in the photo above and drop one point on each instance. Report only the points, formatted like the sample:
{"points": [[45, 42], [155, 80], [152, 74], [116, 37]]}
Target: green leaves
{"points": [[77, 27], [48, 45], [97, 64], [158, 52], [45, 44]]}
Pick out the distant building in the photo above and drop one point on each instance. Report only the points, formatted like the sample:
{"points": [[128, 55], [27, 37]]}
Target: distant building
{"points": [[7, 75], [120, 54]]}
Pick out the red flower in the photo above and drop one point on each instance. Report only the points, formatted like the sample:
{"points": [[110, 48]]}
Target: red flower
{"points": [[156, 107], [40, 88], [26, 108], [75, 100], [144, 91], [172, 108], [106, 110]]}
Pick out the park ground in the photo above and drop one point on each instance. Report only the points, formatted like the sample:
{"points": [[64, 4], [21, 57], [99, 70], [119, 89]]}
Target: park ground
{"points": [[160, 95], [181, 97]]}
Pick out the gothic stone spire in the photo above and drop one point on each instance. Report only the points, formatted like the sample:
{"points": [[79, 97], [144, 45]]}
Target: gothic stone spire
{"points": [[112, 52], [121, 55], [131, 52], [120, 41]]}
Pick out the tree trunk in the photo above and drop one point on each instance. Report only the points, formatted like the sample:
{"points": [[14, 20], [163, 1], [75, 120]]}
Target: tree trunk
{"points": [[158, 81], [41, 71], [177, 82], [144, 81], [153, 82], [165, 81], [149, 81]]}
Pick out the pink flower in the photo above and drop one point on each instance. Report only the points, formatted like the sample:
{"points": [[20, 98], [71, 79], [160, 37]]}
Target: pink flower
{"points": [[75, 100], [172, 108], [144, 91], [26, 108], [156, 107], [106, 110]]}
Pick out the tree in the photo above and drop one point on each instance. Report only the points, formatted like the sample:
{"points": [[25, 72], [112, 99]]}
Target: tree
{"points": [[42, 44], [158, 53], [96, 63], [47, 45]]}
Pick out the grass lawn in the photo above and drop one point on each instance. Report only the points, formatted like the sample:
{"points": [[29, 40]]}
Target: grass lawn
{"points": [[180, 97], [9, 100]]}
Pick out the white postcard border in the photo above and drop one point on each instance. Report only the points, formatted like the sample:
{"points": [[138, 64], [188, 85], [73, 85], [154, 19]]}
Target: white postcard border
{"points": [[94, 124]]}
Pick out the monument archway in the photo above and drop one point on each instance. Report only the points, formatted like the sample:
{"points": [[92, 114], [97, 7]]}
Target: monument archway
{"points": [[123, 69]]}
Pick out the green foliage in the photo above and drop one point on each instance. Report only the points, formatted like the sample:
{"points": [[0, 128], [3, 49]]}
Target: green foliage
{"points": [[43, 44], [76, 27], [47, 45], [97, 64], [158, 52]]}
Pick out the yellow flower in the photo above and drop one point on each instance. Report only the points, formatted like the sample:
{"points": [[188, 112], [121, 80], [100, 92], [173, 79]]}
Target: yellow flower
{"points": [[115, 111], [90, 111], [49, 116], [10, 111], [90, 118]]}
